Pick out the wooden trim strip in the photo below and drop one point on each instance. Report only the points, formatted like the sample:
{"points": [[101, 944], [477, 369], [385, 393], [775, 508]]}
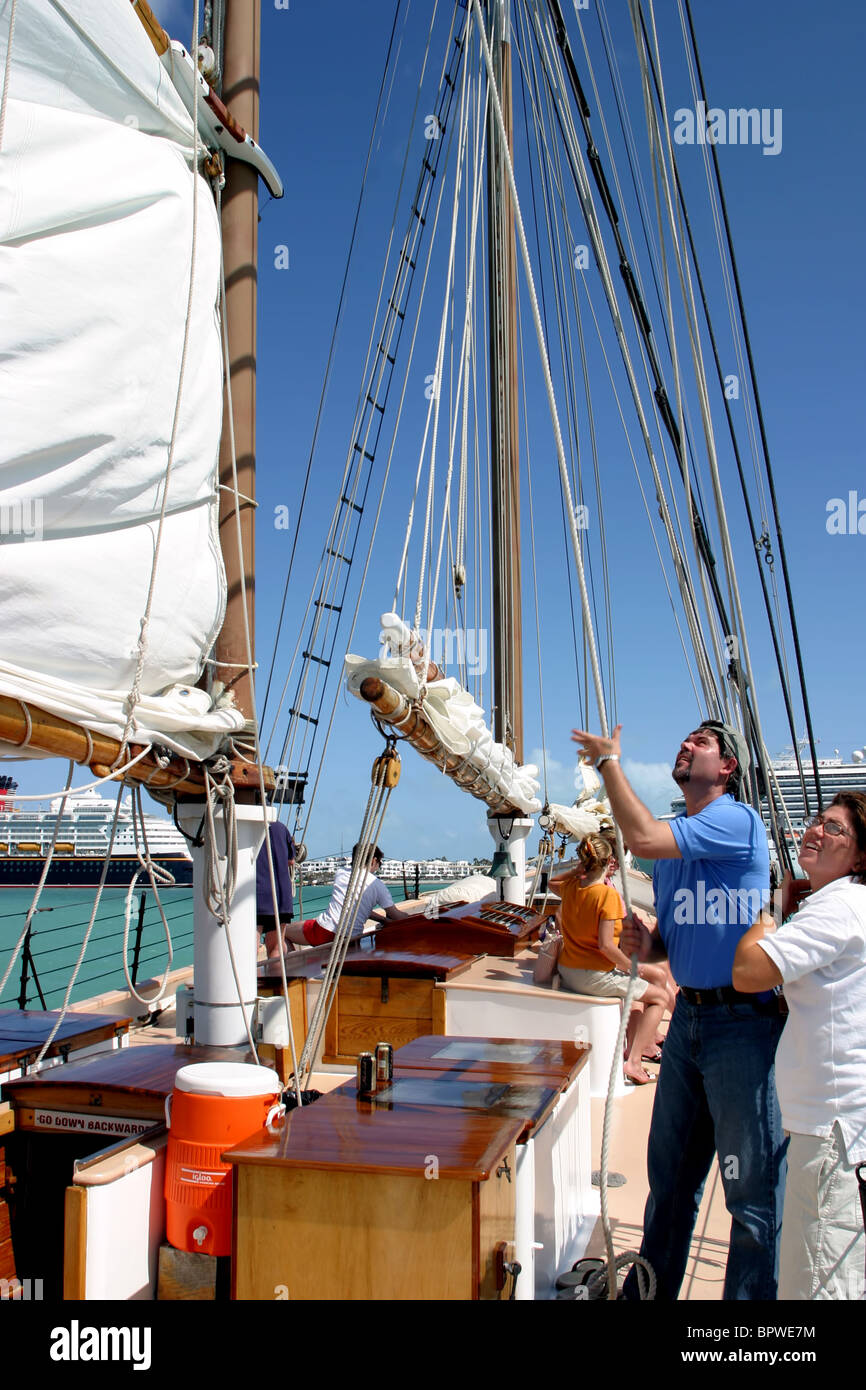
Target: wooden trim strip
{"points": [[152, 27], [75, 1245]]}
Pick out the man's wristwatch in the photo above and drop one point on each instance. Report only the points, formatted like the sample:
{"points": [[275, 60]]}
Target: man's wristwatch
{"points": [[606, 758]]}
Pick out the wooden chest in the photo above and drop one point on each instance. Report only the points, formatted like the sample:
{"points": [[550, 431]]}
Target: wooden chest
{"points": [[352, 1202], [389, 996]]}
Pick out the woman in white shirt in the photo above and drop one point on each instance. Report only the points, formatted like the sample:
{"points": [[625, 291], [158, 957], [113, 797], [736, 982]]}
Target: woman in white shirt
{"points": [[820, 957]]}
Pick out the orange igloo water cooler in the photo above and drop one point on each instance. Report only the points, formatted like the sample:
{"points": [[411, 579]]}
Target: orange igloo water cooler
{"points": [[214, 1105]]}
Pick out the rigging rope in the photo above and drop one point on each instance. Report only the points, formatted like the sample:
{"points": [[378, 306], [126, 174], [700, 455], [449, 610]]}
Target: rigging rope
{"points": [[333, 342], [154, 872], [80, 961], [135, 690], [383, 781], [7, 71], [542, 347], [764, 443]]}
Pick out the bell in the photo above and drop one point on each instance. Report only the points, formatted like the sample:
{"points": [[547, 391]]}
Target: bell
{"points": [[503, 865]]}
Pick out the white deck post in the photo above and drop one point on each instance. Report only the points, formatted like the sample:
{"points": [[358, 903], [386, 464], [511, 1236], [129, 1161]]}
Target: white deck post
{"points": [[219, 1020], [511, 834]]}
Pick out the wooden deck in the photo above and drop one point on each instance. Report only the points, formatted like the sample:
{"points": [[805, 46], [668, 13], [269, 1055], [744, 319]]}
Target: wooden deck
{"points": [[705, 1272]]}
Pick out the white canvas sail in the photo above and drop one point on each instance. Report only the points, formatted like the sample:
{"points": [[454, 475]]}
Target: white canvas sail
{"points": [[96, 242]]}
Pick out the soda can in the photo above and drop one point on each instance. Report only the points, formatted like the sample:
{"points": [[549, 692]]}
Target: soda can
{"points": [[366, 1074], [384, 1064]]}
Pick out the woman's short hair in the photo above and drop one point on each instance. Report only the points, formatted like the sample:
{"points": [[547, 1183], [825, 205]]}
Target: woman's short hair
{"points": [[855, 804]]}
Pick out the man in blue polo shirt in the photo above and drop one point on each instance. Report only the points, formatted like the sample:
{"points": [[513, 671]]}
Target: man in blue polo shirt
{"points": [[716, 1089]]}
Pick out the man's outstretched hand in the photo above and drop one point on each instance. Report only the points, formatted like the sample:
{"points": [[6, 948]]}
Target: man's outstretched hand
{"points": [[595, 746]]}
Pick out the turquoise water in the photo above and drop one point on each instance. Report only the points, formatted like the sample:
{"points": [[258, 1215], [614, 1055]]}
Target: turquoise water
{"points": [[57, 935]]}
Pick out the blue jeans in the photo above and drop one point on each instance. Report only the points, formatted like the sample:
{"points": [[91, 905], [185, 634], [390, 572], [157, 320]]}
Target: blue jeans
{"points": [[716, 1093]]}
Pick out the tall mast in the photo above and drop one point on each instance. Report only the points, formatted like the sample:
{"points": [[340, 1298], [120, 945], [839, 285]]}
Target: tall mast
{"points": [[504, 465], [240, 92], [225, 957]]}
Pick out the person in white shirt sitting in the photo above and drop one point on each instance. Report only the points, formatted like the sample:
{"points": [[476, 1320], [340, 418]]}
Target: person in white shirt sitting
{"points": [[319, 931], [820, 956]]}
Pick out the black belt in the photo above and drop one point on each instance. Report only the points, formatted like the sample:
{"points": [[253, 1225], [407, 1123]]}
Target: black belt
{"points": [[725, 994]]}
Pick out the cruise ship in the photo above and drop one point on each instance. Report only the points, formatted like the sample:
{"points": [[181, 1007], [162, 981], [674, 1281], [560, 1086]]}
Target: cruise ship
{"points": [[834, 774], [83, 840]]}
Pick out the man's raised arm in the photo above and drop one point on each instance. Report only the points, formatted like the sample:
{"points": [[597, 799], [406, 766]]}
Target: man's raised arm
{"points": [[645, 836]]}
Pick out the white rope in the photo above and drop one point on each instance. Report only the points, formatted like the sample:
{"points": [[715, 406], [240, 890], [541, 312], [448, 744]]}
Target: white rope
{"points": [[135, 690], [560, 450], [219, 889], [335, 541], [329, 567], [593, 230], [80, 961], [34, 905], [154, 873], [7, 73], [440, 351], [687, 292], [374, 815], [377, 520], [462, 380]]}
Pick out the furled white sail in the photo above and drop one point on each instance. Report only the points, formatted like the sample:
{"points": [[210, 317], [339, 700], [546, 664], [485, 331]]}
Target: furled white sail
{"points": [[96, 243], [458, 721]]}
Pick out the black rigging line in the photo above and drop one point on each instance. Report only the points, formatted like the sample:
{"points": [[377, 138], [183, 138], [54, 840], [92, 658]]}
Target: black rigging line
{"points": [[638, 308], [756, 540], [651, 255], [764, 444]]}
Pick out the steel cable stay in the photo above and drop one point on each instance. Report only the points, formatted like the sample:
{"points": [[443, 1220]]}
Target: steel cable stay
{"points": [[702, 538], [385, 776], [386, 475], [764, 442], [779, 652], [579, 178], [641, 319], [740, 666], [558, 260], [659, 172], [340, 547], [334, 333], [587, 615], [369, 402], [581, 185]]}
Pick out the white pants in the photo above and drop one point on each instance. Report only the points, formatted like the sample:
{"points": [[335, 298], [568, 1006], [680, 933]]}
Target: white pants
{"points": [[823, 1242]]}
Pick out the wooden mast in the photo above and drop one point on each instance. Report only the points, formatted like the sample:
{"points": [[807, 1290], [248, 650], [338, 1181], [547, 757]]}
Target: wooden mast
{"points": [[505, 459], [240, 242]]}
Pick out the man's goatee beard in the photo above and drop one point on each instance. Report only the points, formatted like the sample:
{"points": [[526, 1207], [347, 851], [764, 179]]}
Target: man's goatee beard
{"points": [[682, 776]]}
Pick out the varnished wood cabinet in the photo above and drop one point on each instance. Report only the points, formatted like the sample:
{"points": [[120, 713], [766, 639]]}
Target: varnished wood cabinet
{"points": [[351, 1201], [388, 996]]}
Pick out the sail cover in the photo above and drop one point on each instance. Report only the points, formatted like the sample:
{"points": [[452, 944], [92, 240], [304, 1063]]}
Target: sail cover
{"points": [[96, 245]]}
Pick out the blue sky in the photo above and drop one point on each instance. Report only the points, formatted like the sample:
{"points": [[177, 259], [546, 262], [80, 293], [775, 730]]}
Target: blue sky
{"points": [[798, 221]]}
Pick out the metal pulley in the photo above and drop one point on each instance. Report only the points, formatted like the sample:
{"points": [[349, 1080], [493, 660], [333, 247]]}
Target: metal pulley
{"points": [[386, 769]]}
